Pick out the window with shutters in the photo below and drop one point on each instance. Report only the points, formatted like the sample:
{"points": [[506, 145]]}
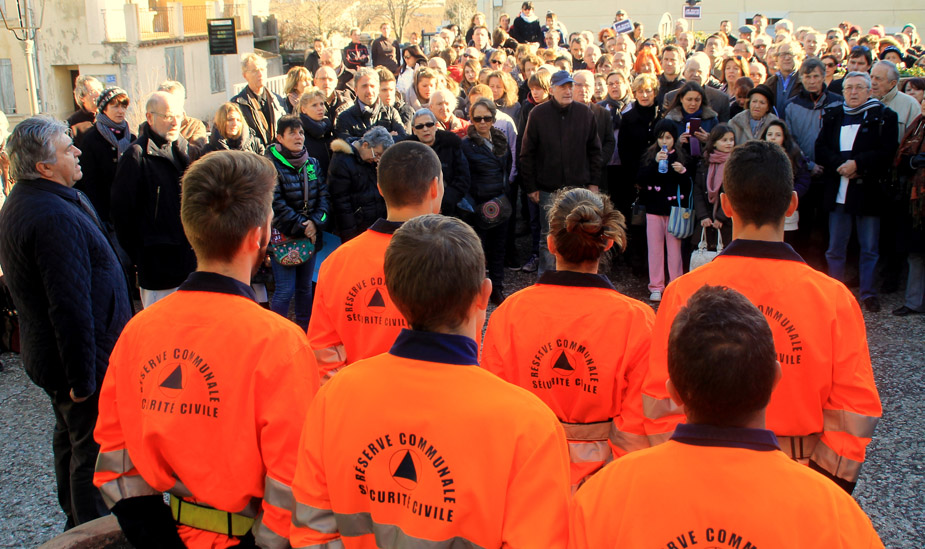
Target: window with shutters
{"points": [[7, 93], [175, 66], [217, 73]]}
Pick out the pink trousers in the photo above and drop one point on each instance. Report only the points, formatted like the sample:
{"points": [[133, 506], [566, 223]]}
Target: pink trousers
{"points": [[659, 238]]}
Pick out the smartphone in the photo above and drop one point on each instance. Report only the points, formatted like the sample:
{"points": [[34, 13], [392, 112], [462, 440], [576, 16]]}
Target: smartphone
{"points": [[694, 126]]}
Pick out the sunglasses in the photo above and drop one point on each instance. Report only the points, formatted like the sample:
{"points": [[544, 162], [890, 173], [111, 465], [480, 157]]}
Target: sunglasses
{"points": [[495, 62], [420, 127], [482, 119]]}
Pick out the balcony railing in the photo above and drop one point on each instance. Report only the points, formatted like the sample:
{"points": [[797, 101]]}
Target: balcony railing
{"points": [[274, 84]]}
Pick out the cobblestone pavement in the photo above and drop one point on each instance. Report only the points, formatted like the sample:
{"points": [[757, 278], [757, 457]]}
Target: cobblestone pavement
{"points": [[891, 488]]}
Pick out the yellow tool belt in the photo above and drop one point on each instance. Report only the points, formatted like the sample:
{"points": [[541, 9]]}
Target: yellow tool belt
{"points": [[208, 518]]}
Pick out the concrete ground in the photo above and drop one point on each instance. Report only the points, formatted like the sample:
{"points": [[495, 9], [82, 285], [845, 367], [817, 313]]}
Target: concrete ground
{"points": [[891, 488]]}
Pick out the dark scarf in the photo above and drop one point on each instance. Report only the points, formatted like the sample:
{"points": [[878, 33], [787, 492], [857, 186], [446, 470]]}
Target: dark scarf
{"points": [[498, 141], [314, 128], [108, 130], [166, 149], [685, 117], [220, 142], [297, 159]]}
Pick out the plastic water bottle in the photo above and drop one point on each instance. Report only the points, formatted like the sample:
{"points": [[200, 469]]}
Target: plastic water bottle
{"points": [[663, 163]]}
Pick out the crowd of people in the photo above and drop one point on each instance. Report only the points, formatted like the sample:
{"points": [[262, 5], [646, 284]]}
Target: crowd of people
{"points": [[585, 144]]}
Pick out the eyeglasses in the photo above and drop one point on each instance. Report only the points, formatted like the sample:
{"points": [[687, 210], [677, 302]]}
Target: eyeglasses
{"points": [[168, 117], [495, 61], [420, 127], [467, 55], [483, 119]]}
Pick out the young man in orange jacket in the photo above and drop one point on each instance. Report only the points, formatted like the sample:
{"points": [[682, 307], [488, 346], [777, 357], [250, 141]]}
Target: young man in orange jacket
{"points": [[420, 447], [825, 409], [353, 317], [733, 485], [206, 391]]}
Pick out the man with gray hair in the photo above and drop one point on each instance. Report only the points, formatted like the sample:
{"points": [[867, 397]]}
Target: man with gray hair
{"points": [[697, 69], [192, 128], [261, 107], [884, 78], [87, 90], [71, 295], [856, 147], [368, 110], [145, 207]]}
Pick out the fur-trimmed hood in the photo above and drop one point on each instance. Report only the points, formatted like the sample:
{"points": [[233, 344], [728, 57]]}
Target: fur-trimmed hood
{"points": [[341, 146]]}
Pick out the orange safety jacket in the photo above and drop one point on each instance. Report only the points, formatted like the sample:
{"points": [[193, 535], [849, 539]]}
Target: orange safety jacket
{"points": [[205, 398], [826, 406], [419, 447], [583, 348], [715, 487], [353, 317]]}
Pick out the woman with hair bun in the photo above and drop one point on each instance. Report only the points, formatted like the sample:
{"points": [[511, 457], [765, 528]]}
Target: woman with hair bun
{"points": [[575, 341]]}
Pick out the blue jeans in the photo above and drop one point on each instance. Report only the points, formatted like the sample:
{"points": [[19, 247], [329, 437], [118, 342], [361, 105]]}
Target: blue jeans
{"points": [[293, 281], [840, 224]]}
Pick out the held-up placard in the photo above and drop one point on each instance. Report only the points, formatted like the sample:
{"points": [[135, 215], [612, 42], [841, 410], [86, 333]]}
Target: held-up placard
{"points": [[623, 26], [692, 12]]}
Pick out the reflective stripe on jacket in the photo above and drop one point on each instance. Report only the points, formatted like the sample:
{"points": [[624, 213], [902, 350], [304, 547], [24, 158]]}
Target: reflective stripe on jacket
{"points": [[715, 487], [419, 447], [205, 398], [827, 386], [582, 348]]}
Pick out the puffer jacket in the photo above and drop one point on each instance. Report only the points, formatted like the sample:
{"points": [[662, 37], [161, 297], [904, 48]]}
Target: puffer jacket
{"points": [[455, 167], [290, 209], [355, 200], [354, 122], [489, 164]]}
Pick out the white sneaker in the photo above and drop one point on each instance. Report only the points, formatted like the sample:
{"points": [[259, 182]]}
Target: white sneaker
{"points": [[655, 296]]}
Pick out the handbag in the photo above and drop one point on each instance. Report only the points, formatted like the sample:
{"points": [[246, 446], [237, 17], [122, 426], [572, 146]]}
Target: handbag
{"points": [[491, 213], [291, 252], [681, 219], [638, 213], [701, 256]]}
